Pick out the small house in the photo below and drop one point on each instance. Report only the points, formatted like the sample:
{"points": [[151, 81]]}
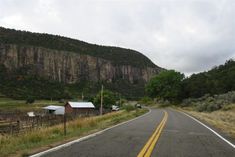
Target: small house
{"points": [[79, 108], [52, 109]]}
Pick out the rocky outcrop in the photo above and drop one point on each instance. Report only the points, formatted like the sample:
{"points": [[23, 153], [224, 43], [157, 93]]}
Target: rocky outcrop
{"points": [[70, 67]]}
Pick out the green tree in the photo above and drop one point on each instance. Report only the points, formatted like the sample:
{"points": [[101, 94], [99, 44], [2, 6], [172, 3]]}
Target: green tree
{"points": [[166, 85], [108, 99]]}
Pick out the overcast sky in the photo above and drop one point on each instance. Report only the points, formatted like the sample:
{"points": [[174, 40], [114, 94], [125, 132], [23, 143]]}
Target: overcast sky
{"points": [[186, 35]]}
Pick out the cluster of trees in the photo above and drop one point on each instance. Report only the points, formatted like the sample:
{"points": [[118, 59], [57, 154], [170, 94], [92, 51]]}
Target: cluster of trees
{"points": [[218, 80], [109, 99], [23, 86], [24, 83], [167, 86], [172, 86], [115, 54]]}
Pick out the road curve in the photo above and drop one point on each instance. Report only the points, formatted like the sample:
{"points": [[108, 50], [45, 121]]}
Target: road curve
{"points": [[180, 137]]}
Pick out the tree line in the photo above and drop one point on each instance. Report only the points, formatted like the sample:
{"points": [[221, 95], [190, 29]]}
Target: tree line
{"points": [[173, 86]]}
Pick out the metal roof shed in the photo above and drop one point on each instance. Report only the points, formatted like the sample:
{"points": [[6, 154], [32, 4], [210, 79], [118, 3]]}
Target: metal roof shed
{"points": [[57, 110], [81, 104]]}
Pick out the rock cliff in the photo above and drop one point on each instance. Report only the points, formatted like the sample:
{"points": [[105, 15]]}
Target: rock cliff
{"points": [[71, 67]]}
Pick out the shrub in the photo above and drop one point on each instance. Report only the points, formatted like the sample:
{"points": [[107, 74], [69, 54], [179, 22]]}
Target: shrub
{"points": [[212, 107], [35, 138], [210, 99], [188, 102], [201, 107], [146, 100], [211, 103], [129, 108], [227, 107], [30, 100]]}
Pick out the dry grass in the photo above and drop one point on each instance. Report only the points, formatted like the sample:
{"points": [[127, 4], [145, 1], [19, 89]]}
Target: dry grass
{"points": [[45, 138], [223, 120]]}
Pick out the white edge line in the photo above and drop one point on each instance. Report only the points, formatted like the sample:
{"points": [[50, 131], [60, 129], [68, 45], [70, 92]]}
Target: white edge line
{"points": [[85, 137], [217, 134]]}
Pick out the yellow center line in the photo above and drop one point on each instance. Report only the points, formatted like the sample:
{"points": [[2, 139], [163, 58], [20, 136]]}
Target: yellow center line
{"points": [[149, 146]]}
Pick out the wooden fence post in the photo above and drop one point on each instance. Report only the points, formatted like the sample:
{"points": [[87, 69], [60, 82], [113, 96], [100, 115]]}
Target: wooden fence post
{"points": [[18, 126], [64, 124], [11, 127]]}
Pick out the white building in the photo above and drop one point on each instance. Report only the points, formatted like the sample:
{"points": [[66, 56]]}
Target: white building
{"points": [[53, 109]]}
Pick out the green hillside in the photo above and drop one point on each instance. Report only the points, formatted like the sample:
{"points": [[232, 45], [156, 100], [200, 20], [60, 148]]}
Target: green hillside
{"points": [[218, 80], [23, 83]]}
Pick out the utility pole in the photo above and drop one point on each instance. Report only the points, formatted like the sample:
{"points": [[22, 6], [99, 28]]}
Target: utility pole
{"points": [[65, 120], [101, 100]]}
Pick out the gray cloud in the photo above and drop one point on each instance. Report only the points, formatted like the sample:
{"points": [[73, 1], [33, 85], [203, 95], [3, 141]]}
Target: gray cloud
{"points": [[186, 35]]}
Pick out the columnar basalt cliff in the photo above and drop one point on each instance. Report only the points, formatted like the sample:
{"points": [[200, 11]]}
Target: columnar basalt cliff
{"points": [[70, 67]]}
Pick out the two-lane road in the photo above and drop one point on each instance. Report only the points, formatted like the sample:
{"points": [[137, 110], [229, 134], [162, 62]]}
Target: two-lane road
{"points": [[180, 136]]}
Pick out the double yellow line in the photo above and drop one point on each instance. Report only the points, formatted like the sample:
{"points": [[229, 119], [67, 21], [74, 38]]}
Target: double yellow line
{"points": [[149, 146]]}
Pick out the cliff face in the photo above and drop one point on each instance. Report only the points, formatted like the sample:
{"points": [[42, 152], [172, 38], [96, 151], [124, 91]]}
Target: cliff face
{"points": [[69, 67]]}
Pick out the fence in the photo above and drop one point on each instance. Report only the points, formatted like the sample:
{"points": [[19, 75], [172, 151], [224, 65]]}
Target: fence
{"points": [[17, 123], [25, 124]]}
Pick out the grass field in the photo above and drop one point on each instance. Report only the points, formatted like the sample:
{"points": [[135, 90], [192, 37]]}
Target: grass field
{"points": [[38, 140], [7, 104], [224, 120]]}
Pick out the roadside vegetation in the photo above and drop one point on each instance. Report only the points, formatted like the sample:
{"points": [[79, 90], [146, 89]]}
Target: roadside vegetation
{"points": [[44, 138], [217, 110], [209, 103], [224, 120], [147, 101]]}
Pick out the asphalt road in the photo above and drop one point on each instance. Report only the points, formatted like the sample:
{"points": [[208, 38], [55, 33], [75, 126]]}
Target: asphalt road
{"points": [[181, 137]]}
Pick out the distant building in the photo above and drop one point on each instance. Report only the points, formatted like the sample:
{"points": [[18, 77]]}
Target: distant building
{"points": [[79, 108], [52, 109]]}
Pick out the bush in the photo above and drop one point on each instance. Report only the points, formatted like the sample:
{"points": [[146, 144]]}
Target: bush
{"points": [[30, 100], [211, 103], [129, 108], [145, 99], [228, 107], [201, 107], [212, 107]]}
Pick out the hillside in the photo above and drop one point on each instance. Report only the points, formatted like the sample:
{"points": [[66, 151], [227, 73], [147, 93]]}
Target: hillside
{"points": [[218, 80], [115, 54], [48, 66]]}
